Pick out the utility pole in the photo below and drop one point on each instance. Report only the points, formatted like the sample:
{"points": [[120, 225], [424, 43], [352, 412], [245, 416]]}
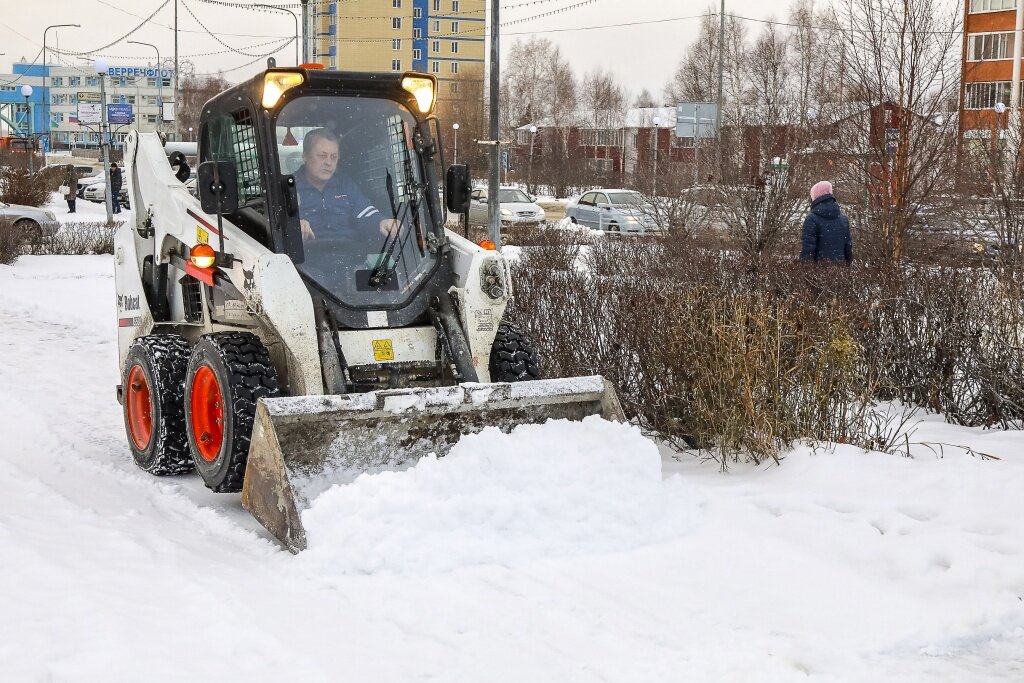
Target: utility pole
{"points": [[305, 31], [101, 69], [494, 182], [721, 77], [177, 118]]}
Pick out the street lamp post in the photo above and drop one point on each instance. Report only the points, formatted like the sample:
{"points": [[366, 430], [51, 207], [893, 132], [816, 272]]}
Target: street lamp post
{"points": [[100, 66], [159, 84], [46, 79], [26, 92], [657, 123], [533, 137], [295, 18], [455, 127], [190, 134]]}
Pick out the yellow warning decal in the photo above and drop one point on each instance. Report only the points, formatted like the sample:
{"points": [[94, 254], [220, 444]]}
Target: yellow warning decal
{"points": [[202, 237], [383, 349]]}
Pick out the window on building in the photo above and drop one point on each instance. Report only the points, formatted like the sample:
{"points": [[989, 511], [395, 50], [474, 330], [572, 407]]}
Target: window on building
{"points": [[151, 82], [992, 5], [75, 80], [455, 5], [455, 27], [417, 12], [983, 46], [435, 45], [435, 67], [396, 44], [455, 67], [396, 22], [985, 95], [455, 48], [417, 33], [417, 55], [397, 4], [601, 137], [435, 26], [57, 82], [455, 86], [437, 5], [396, 64]]}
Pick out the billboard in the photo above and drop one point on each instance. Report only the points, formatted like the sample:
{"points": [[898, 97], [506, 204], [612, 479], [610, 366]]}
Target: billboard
{"points": [[696, 119], [90, 113], [119, 114]]}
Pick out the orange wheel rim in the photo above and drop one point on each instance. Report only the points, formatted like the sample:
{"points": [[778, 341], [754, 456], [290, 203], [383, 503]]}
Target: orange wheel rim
{"points": [[207, 412], [140, 408]]}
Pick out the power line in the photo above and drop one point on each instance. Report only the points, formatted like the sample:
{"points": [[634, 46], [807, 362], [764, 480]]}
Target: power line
{"points": [[214, 36], [140, 25]]}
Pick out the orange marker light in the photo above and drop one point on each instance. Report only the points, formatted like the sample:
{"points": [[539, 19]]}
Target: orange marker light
{"points": [[488, 244], [311, 65], [202, 256]]}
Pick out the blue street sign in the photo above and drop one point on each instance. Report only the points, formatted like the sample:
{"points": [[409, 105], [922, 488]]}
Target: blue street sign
{"points": [[119, 113]]}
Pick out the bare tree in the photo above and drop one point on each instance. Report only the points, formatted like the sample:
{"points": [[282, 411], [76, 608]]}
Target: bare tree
{"points": [[462, 101], [603, 98], [904, 56], [195, 92], [645, 99]]}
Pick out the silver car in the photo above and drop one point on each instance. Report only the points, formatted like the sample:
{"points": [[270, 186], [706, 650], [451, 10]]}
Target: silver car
{"points": [[613, 211], [32, 221], [516, 208]]}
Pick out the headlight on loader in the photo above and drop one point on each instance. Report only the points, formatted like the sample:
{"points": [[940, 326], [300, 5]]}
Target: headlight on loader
{"points": [[422, 89], [277, 83]]}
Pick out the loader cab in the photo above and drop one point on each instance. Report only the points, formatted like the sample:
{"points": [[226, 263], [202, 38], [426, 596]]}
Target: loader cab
{"points": [[336, 170]]}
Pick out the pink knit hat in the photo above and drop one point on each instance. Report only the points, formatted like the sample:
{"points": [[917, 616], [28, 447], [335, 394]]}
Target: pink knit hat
{"points": [[820, 189]]}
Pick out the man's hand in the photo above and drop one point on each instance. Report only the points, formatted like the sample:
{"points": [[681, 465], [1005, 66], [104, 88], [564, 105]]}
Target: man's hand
{"points": [[307, 232], [388, 227]]}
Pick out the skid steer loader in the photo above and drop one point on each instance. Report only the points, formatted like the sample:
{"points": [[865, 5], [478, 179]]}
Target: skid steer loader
{"points": [[308, 318]]}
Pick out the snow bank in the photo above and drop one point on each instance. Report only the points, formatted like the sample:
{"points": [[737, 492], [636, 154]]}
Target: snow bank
{"points": [[553, 490]]}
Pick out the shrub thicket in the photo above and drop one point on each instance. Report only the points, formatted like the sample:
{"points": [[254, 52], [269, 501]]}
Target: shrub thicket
{"points": [[19, 186], [11, 241], [717, 352]]}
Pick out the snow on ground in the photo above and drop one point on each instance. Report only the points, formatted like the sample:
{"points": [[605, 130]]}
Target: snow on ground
{"points": [[85, 211], [837, 565]]}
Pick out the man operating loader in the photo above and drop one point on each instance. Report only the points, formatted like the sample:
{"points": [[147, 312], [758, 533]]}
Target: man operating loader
{"points": [[330, 204]]}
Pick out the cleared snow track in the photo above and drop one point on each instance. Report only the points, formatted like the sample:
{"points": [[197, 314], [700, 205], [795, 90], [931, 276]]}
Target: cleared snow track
{"points": [[836, 566]]}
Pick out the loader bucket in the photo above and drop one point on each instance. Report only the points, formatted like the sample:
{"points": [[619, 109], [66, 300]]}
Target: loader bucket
{"points": [[301, 446]]}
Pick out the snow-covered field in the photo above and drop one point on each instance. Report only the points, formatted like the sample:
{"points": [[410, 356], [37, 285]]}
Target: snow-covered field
{"points": [[593, 557]]}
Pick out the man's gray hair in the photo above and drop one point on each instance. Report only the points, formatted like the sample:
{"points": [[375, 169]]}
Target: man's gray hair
{"points": [[318, 134]]}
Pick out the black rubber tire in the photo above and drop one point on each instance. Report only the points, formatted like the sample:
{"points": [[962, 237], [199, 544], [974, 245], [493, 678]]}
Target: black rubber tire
{"points": [[244, 374], [513, 358], [163, 360]]}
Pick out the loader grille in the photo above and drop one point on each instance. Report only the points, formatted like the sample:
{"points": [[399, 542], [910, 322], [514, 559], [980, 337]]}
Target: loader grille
{"points": [[192, 299]]}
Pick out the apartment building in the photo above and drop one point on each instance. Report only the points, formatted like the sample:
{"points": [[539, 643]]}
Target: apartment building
{"points": [[991, 65], [442, 37], [57, 89]]}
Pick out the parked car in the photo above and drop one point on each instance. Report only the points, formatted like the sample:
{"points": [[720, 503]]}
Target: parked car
{"points": [[97, 192], [32, 221], [516, 208], [86, 182], [614, 211]]}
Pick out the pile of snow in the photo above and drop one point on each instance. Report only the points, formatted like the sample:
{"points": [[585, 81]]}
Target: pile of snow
{"points": [[554, 490]]}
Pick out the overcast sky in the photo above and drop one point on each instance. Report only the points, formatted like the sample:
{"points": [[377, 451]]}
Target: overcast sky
{"points": [[642, 55]]}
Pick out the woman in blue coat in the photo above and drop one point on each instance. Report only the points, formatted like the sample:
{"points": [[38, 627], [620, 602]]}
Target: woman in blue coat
{"points": [[826, 234]]}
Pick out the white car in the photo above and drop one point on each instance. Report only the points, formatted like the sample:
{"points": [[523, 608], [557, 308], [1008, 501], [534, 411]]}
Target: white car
{"points": [[516, 208], [86, 182], [97, 192]]}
